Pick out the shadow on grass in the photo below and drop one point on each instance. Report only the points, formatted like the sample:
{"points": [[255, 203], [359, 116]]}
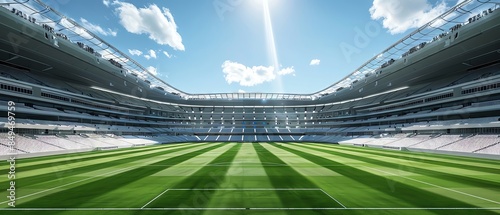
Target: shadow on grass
{"points": [[412, 195]]}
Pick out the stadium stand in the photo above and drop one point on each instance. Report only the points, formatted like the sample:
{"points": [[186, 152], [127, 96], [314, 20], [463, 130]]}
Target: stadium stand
{"points": [[414, 96]]}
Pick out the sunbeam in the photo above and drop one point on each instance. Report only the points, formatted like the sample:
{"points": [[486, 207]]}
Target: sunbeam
{"points": [[271, 46]]}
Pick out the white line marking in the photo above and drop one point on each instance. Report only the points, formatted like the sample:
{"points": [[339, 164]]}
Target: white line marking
{"points": [[158, 196], [248, 165], [75, 182], [173, 209], [244, 189], [333, 198], [434, 185]]}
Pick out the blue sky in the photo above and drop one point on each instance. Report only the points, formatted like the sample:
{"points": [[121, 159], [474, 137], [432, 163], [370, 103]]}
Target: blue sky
{"points": [[213, 46]]}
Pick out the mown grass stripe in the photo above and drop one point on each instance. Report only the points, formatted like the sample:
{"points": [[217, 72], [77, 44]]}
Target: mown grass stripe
{"points": [[474, 182], [192, 165], [471, 161], [60, 169], [69, 184], [244, 176], [148, 187], [90, 166], [409, 160], [431, 184], [86, 192], [410, 194], [26, 165], [284, 176], [247, 163], [62, 184], [129, 200], [400, 177], [424, 159], [206, 177], [479, 161], [299, 164]]}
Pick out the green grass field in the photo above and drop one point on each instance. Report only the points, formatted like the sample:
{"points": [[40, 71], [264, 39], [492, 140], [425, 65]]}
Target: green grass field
{"points": [[253, 178]]}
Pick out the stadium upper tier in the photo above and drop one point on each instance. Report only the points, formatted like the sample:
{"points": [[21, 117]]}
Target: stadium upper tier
{"points": [[97, 64], [443, 78]]}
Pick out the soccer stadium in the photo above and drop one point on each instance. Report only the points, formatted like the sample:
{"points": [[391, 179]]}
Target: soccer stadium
{"points": [[88, 127]]}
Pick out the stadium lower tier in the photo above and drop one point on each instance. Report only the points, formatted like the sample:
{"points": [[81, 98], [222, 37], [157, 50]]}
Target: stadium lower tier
{"points": [[41, 145]]}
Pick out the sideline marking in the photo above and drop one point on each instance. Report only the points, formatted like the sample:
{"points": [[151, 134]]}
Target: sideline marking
{"points": [[215, 209]]}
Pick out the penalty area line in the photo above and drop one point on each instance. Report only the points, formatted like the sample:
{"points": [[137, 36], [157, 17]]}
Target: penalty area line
{"points": [[152, 200], [245, 189], [334, 199]]}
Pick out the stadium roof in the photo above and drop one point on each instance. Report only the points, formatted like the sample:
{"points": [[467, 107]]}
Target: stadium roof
{"points": [[75, 32]]}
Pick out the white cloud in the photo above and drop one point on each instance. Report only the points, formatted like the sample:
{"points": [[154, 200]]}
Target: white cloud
{"points": [[135, 52], [106, 2], [167, 54], [241, 91], [287, 71], [315, 62], [152, 70], [97, 29], [151, 54], [158, 23], [398, 16], [251, 76]]}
